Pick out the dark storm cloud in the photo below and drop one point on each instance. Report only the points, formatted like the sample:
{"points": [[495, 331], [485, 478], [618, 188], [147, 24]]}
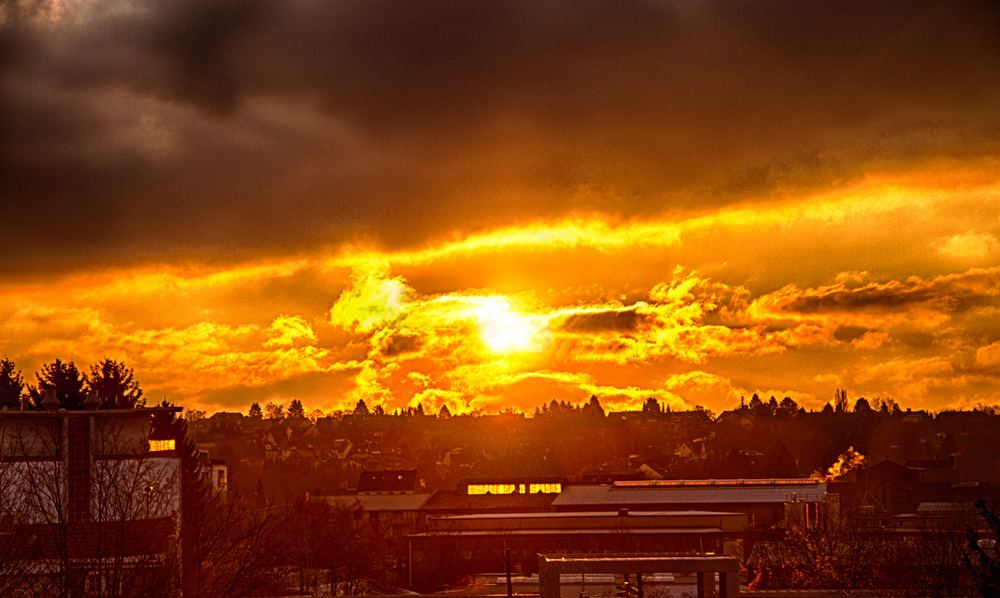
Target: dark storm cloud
{"points": [[846, 334], [401, 343], [226, 127], [955, 293], [617, 321]]}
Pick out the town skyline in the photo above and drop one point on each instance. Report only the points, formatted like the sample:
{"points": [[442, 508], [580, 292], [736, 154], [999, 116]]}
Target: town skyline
{"points": [[498, 205]]}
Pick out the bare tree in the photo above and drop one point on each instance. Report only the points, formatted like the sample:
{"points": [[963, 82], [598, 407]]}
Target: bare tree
{"points": [[230, 549], [922, 559], [982, 558], [925, 559], [99, 511], [829, 554], [337, 548]]}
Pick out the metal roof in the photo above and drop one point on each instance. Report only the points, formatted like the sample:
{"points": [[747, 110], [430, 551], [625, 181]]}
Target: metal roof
{"points": [[672, 531], [624, 496], [635, 558], [753, 482], [945, 507], [444, 500], [576, 514]]}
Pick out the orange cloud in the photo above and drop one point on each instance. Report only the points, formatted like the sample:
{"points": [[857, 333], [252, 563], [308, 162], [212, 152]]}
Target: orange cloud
{"points": [[191, 331]]}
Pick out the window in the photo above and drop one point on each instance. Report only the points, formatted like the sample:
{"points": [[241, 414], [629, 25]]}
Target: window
{"points": [[550, 488], [161, 445], [491, 488]]}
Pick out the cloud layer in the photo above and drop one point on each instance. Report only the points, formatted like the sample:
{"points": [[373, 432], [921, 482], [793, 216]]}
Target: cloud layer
{"points": [[137, 129], [495, 204], [501, 320]]}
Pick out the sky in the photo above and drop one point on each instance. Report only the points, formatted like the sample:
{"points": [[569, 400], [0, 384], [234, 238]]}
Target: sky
{"points": [[491, 205]]}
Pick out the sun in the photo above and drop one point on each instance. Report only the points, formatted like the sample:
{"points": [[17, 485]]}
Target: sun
{"points": [[505, 331]]}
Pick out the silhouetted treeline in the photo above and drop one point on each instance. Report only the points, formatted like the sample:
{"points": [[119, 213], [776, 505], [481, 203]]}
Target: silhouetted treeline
{"points": [[293, 453], [111, 382]]}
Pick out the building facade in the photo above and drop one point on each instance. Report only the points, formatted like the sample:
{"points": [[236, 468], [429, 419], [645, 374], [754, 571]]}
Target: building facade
{"points": [[87, 508]]}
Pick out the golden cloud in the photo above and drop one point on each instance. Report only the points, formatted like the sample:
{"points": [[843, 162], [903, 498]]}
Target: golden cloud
{"points": [[989, 355], [373, 300], [968, 245], [473, 346], [288, 331]]}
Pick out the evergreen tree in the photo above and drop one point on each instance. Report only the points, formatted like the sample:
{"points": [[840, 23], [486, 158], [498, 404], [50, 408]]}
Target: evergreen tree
{"points": [[881, 406], [593, 408], [11, 383], [757, 407], [445, 413], [296, 410], [361, 408], [787, 408], [115, 384], [65, 380], [255, 412], [652, 406]]}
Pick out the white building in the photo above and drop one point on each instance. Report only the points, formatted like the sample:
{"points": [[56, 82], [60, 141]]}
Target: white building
{"points": [[86, 506]]}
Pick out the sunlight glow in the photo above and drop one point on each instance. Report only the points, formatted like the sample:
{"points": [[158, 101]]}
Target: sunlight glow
{"points": [[505, 331]]}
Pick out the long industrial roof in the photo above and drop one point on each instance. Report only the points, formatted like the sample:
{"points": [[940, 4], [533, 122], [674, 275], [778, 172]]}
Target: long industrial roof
{"points": [[626, 496], [668, 531], [580, 514], [443, 500]]}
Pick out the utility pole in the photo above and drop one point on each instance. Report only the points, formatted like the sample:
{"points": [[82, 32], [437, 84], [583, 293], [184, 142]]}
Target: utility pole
{"points": [[506, 553]]}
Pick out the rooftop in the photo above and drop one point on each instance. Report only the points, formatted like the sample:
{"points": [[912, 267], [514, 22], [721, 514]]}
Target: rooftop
{"points": [[573, 514], [444, 500], [611, 531], [63, 412], [629, 494]]}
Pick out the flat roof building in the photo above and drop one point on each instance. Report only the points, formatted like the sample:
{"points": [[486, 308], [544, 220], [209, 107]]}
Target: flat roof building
{"points": [[763, 500], [458, 546], [88, 502]]}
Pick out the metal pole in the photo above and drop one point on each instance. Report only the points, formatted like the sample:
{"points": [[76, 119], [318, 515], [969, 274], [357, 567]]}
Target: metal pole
{"points": [[510, 587]]}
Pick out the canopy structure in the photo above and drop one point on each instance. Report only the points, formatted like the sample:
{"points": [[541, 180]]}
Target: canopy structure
{"points": [[550, 567]]}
